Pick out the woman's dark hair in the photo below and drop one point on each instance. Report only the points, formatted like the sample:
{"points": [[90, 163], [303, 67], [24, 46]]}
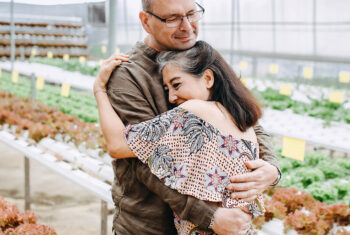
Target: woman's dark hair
{"points": [[227, 88]]}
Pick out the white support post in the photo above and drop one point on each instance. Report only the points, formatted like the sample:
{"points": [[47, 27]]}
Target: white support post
{"points": [[12, 28], [112, 24], [104, 217], [26, 183]]}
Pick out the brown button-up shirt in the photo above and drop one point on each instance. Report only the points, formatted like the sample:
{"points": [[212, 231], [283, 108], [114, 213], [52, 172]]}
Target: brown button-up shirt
{"points": [[144, 204]]}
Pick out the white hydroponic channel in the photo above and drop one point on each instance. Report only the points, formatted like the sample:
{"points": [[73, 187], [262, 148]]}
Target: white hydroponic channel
{"points": [[52, 74]]}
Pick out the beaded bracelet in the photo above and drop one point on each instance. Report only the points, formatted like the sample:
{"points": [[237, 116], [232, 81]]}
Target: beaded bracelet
{"points": [[211, 224]]}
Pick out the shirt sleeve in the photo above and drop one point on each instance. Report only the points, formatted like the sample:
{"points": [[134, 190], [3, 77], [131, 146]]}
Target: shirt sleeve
{"points": [[127, 98], [266, 151], [132, 107]]}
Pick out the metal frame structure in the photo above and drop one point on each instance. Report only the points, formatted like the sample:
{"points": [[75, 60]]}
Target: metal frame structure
{"points": [[97, 187], [236, 25]]}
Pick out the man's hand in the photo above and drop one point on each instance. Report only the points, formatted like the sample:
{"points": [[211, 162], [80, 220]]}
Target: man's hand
{"points": [[231, 221], [247, 186]]}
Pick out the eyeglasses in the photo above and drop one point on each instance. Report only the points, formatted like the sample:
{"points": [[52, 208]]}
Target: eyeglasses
{"points": [[175, 21]]}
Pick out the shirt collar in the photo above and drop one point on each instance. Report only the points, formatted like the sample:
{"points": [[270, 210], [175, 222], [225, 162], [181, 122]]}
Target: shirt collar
{"points": [[150, 52]]}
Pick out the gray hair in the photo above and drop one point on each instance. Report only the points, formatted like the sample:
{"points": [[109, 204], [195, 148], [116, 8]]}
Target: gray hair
{"points": [[194, 60], [146, 5]]}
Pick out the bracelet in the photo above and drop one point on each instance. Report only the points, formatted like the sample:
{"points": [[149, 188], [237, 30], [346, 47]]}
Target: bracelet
{"points": [[211, 224], [278, 178], [256, 209], [95, 92]]}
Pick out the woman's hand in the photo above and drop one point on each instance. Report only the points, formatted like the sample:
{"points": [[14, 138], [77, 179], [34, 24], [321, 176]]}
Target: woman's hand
{"points": [[231, 221], [106, 70], [247, 186]]}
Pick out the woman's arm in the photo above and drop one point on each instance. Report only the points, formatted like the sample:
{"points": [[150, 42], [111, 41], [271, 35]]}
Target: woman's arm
{"points": [[112, 128], [111, 125]]}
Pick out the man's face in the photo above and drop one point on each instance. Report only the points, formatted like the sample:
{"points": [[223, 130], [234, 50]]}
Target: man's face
{"points": [[181, 37]]}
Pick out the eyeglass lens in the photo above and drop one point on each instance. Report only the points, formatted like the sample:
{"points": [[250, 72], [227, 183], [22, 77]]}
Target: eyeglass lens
{"points": [[194, 17]]}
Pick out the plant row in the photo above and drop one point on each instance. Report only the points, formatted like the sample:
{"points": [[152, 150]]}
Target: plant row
{"points": [[79, 104], [326, 179], [303, 213], [72, 64], [318, 108], [13, 222], [42, 121], [319, 82], [84, 106]]}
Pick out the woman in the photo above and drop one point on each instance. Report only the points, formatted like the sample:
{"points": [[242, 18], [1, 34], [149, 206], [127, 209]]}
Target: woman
{"points": [[195, 147]]}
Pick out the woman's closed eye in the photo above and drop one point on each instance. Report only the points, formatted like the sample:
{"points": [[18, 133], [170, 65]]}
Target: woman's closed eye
{"points": [[176, 85]]}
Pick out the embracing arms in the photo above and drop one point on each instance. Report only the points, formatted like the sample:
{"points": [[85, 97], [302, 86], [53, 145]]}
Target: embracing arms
{"points": [[127, 100], [131, 106], [112, 128]]}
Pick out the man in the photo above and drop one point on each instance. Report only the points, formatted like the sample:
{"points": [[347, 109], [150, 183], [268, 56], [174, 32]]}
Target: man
{"points": [[143, 204]]}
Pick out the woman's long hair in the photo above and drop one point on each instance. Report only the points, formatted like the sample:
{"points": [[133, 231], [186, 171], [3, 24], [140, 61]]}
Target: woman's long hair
{"points": [[227, 88]]}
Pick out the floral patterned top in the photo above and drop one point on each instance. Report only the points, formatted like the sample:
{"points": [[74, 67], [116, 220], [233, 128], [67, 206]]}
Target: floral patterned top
{"points": [[191, 156]]}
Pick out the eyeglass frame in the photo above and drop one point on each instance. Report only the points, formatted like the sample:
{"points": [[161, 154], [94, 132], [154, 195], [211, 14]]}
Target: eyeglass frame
{"points": [[182, 17]]}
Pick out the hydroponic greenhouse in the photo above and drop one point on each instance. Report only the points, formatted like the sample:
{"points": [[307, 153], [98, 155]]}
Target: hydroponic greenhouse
{"points": [[174, 117]]}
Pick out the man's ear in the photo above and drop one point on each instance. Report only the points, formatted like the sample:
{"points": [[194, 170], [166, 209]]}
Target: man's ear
{"points": [[208, 76], [144, 21]]}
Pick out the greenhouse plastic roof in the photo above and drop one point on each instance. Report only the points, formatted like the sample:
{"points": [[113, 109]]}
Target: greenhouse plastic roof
{"points": [[52, 2]]}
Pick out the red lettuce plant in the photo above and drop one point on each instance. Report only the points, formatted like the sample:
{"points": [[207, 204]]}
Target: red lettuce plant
{"points": [[14, 222]]}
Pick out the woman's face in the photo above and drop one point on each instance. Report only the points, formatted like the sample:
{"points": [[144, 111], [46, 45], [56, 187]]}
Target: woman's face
{"points": [[183, 86]]}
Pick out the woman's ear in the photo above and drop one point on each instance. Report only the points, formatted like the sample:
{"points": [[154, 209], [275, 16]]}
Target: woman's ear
{"points": [[209, 78], [144, 21]]}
